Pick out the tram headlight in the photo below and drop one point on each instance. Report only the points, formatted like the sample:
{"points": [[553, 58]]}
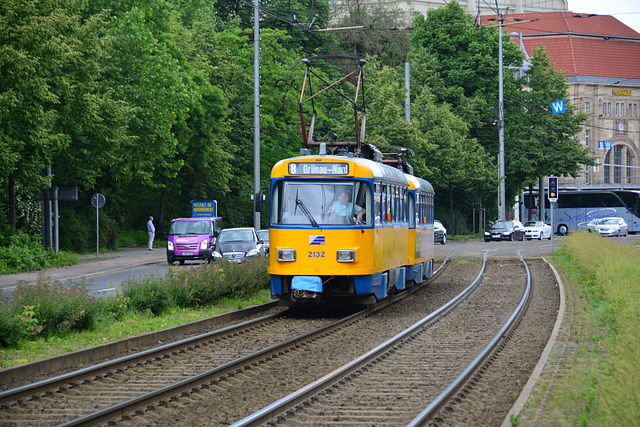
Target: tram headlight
{"points": [[286, 255], [346, 255]]}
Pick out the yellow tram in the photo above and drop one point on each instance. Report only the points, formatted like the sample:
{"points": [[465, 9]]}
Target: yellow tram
{"points": [[346, 230]]}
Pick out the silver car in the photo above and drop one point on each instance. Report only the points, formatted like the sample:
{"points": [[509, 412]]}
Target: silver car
{"points": [[264, 236], [609, 227], [439, 232]]}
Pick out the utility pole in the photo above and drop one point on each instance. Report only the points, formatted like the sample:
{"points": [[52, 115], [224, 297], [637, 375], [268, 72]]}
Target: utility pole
{"points": [[256, 114], [502, 210]]}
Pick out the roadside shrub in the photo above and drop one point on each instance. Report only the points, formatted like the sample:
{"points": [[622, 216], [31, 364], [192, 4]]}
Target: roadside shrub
{"points": [[12, 331], [221, 279], [78, 230], [56, 309], [132, 238], [23, 253], [149, 294], [115, 307]]}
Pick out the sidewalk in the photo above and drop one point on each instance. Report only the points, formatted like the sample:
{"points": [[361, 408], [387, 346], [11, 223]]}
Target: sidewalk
{"points": [[90, 266]]}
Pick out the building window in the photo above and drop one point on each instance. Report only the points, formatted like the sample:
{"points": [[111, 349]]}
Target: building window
{"points": [[629, 110], [629, 169], [617, 160], [604, 108], [607, 159], [587, 107], [586, 138], [617, 108], [586, 175]]}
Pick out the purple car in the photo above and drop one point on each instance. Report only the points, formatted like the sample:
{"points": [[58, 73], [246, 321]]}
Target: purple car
{"points": [[192, 239]]}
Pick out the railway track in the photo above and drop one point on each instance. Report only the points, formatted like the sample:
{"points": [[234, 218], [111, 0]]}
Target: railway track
{"points": [[227, 392], [392, 384], [116, 388]]}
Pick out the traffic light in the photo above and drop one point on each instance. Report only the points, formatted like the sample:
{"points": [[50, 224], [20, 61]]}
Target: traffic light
{"points": [[553, 188]]}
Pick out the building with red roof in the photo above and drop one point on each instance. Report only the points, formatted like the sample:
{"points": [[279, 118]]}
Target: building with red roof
{"points": [[601, 58]]}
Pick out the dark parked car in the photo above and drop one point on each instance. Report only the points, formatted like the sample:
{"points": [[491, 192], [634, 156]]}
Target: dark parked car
{"points": [[505, 230], [264, 236], [238, 244], [439, 232]]}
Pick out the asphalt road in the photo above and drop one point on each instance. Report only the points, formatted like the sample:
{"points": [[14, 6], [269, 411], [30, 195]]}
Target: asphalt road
{"points": [[105, 275], [507, 249]]}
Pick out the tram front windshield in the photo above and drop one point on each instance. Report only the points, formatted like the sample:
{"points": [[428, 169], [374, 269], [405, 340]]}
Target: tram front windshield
{"points": [[318, 203]]}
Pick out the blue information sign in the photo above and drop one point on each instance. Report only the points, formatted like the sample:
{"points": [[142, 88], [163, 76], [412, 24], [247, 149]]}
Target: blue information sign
{"points": [[604, 145], [204, 208]]}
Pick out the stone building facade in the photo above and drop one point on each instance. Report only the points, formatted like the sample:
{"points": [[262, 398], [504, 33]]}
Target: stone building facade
{"points": [[601, 59]]}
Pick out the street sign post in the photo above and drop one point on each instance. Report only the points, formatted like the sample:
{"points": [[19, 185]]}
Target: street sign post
{"points": [[97, 200]]}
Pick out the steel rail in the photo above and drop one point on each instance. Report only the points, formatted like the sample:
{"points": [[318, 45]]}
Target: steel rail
{"points": [[173, 391], [286, 403], [440, 402], [41, 387]]}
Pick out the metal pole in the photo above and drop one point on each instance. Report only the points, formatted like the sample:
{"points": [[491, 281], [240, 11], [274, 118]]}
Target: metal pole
{"points": [[407, 99], [502, 211], [256, 112], [553, 208], [56, 216], [97, 232]]}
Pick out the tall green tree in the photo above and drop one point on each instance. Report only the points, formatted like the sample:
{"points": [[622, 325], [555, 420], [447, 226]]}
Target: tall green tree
{"points": [[458, 167], [379, 30], [540, 143], [52, 111], [143, 74]]}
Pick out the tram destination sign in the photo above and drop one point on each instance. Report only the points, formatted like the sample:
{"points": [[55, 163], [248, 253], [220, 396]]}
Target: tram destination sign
{"points": [[328, 169]]}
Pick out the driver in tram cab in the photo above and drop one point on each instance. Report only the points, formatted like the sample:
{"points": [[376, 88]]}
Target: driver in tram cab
{"points": [[344, 207]]}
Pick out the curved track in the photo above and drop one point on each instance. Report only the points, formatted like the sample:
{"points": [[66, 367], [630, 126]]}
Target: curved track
{"points": [[113, 389], [392, 384]]}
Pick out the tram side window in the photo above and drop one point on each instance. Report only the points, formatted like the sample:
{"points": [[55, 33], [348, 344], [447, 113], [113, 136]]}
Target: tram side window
{"points": [[395, 203], [387, 212], [431, 210], [378, 203], [411, 215]]}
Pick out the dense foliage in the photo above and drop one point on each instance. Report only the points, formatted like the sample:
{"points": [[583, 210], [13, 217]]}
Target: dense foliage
{"points": [[52, 309], [151, 104]]}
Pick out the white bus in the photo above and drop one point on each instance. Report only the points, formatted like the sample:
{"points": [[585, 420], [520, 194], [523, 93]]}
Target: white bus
{"points": [[574, 209]]}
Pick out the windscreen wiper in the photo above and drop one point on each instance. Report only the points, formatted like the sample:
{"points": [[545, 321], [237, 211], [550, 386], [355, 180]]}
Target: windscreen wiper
{"points": [[306, 213]]}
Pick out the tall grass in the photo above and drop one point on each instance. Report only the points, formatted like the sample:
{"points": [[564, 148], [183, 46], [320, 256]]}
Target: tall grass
{"points": [[49, 310], [608, 274]]}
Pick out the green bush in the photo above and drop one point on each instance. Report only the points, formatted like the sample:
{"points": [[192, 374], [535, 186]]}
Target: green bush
{"points": [[47, 309], [56, 309], [132, 238], [78, 230], [12, 330], [149, 294], [23, 253]]}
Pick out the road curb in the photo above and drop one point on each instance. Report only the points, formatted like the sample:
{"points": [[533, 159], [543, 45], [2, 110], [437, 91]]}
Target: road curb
{"points": [[527, 390]]}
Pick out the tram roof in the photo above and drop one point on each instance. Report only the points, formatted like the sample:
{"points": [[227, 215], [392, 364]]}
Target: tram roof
{"points": [[378, 170], [419, 183]]}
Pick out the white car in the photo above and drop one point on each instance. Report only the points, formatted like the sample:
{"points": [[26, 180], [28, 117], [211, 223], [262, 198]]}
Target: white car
{"points": [[537, 230], [608, 227], [439, 232]]}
